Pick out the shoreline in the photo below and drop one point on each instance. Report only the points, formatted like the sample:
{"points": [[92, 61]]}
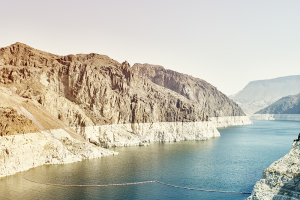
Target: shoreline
{"points": [[22, 152], [284, 117]]}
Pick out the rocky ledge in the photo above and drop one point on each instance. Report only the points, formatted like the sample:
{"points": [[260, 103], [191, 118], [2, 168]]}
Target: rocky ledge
{"points": [[282, 179]]}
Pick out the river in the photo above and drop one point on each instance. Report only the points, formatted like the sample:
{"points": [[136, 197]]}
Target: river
{"points": [[232, 162]]}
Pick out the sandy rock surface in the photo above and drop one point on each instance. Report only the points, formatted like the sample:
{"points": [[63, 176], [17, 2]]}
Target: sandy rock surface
{"points": [[281, 180], [22, 152]]}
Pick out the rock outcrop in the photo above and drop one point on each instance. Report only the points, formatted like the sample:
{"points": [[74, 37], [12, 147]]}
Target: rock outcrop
{"points": [[282, 179], [262, 93]]}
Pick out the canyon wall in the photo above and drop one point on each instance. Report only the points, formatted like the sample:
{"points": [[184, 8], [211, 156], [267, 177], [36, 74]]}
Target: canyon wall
{"points": [[262, 93], [286, 105], [76, 103]]}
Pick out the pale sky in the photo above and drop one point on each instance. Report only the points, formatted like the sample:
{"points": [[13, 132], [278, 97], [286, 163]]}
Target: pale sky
{"points": [[228, 43]]}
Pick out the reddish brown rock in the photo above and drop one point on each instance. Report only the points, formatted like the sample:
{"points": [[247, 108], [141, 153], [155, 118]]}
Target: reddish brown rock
{"points": [[92, 89], [12, 123]]}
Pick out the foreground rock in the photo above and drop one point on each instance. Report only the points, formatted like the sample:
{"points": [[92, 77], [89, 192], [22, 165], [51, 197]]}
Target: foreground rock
{"points": [[282, 179], [22, 152]]}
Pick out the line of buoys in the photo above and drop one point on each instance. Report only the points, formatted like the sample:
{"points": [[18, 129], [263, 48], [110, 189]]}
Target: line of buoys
{"points": [[124, 184], [202, 189]]}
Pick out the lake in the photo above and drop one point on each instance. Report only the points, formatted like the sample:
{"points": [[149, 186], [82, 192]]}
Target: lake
{"points": [[232, 162]]}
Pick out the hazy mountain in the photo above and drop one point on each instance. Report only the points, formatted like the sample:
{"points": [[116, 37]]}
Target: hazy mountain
{"points": [[262, 93], [285, 105]]}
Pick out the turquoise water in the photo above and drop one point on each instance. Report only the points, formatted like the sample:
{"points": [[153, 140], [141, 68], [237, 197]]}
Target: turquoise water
{"points": [[232, 162]]}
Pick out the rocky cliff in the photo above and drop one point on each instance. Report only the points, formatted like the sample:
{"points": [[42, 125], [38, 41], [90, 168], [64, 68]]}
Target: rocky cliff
{"points": [[207, 97], [105, 90], [262, 93], [282, 179], [92, 98]]}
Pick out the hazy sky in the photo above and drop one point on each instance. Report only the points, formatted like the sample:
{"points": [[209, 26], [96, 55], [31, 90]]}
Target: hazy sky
{"points": [[228, 43]]}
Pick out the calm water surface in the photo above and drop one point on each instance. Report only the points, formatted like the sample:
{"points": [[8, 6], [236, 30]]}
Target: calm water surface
{"points": [[232, 162]]}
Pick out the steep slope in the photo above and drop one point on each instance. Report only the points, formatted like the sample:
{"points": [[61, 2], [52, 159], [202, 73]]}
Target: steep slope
{"points": [[281, 180], [260, 94], [285, 105], [212, 101]]}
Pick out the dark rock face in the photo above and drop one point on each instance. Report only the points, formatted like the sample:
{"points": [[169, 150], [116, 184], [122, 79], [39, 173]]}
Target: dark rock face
{"points": [[103, 91], [285, 105], [206, 96]]}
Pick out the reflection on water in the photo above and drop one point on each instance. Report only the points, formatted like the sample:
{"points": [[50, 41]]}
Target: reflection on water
{"points": [[233, 162]]}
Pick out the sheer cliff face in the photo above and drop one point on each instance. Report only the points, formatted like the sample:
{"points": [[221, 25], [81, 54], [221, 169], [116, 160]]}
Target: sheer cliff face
{"points": [[207, 97], [86, 90]]}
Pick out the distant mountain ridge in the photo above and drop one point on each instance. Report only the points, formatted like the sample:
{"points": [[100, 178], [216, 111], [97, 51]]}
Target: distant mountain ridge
{"points": [[285, 105], [262, 93]]}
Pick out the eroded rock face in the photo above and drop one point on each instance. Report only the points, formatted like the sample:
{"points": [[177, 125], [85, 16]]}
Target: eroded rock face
{"points": [[282, 179], [208, 98], [12, 123], [107, 92]]}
